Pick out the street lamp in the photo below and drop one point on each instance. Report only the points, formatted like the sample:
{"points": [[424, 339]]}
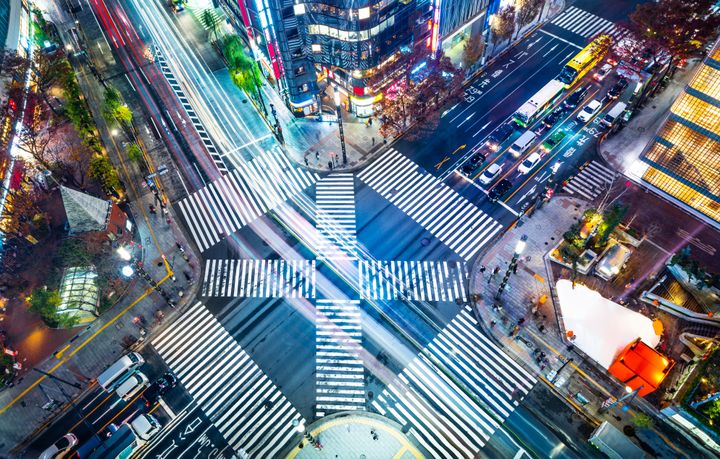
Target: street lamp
{"points": [[124, 253], [519, 249], [127, 271], [336, 96]]}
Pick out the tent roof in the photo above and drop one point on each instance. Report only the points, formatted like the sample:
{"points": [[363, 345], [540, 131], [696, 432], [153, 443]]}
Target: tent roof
{"points": [[84, 212]]}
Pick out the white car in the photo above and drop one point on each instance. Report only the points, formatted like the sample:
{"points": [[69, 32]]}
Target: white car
{"points": [[589, 110], [603, 72], [60, 448], [145, 426], [529, 163], [131, 386], [490, 174]]}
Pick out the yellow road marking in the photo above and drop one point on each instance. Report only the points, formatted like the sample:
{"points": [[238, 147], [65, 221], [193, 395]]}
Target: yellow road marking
{"points": [[459, 148], [440, 164], [538, 277]]}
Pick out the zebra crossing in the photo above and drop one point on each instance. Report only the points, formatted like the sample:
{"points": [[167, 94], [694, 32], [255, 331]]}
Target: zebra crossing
{"points": [[242, 402], [455, 415], [586, 24], [340, 374], [236, 199], [592, 180], [259, 278], [414, 280], [439, 209], [335, 217], [197, 124]]}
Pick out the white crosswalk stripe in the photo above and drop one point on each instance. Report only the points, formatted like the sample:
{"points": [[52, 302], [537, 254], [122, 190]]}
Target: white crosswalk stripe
{"points": [[259, 278], [340, 374], [335, 217], [587, 25], [242, 402], [231, 202], [593, 179], [447, 419], [454, 220], [414, 280]]}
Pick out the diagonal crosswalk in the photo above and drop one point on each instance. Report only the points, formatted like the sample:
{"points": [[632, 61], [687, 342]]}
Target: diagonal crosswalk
{"points": [[439, 209], [231, 202], [335, 217], [340, 374], [593, 179], [586, 24], [413, 280], [259, 278], [455, 415], [242, 402]]}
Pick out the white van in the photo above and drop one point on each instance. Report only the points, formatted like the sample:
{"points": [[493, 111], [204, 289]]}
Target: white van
{"points": [[522, 144], [612, 262], [132, 385], [145, 426], [117, 372], [613, 114]]}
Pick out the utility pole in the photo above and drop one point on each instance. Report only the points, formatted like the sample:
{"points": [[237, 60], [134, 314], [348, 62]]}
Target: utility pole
{"points": [[630, 394], [519, 248], [336, 95]]}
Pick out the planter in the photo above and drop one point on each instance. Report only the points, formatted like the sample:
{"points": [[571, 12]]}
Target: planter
{"points": [[626, 238]]}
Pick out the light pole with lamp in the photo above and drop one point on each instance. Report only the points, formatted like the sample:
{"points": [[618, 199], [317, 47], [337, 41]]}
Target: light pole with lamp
{"points": [[519, 248], [336, 96], [628, 397], [135, 266]]}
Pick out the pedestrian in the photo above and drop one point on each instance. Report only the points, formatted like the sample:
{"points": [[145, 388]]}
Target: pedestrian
{"points": [[541, 328], [482, 269], [306, 161], [496, 270], [492, 323], [317, 136], [384, 141], [317, 153], [373, 140], [330, 165]]}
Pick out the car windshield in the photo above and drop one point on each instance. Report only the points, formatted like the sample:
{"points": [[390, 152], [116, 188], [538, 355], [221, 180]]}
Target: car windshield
{"points": [[62, 443], [527, 163]]}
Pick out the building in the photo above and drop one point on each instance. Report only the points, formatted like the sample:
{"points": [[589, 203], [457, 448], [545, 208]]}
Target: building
{"points": [[683, 161], [86, 213], [460, 19], [79, 294], [14, 25]]}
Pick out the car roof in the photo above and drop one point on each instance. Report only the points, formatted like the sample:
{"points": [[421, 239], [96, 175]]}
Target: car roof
{"points": [[594, 103], [533, 155], [493, 168]]}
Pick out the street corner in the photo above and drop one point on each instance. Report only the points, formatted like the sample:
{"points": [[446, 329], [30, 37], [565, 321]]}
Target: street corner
{"points": [[354, 434]]}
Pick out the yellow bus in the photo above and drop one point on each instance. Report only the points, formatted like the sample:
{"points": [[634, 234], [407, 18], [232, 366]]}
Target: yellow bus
{"points": [[585, 60]]}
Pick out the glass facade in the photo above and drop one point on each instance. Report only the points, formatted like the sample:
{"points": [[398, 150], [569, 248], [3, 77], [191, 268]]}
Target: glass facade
{"points": [[684, 158]]}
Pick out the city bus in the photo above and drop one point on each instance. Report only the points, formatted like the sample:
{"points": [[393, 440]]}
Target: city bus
{"points": [[539, 103], [585, 60]]}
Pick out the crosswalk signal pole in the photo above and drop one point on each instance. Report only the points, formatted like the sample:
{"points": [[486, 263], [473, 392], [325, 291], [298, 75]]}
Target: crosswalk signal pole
{"points": [[519, 248]]}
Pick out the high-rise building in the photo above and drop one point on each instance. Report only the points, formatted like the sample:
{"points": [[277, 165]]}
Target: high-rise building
{"points": [[684, 158], [461, 18]]}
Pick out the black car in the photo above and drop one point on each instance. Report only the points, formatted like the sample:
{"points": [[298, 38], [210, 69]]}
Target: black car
{"points": [[500, 190], [552, 119], [617, 89], [473, 163], [499, 136], [159, 388], [577, 97]]}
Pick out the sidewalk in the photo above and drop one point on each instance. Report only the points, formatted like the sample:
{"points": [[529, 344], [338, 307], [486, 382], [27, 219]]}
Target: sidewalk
{"points": [[525, 333]]}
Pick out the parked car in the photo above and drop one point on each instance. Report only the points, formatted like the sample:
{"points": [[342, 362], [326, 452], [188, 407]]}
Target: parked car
{"points": [[529, 163], [499, 135], [472, 164], [159, 388], [617, 89], [578, 96], [131, 386], [499, 191], [590, 109], [553, 141], [603, 72], [60, 448], [490, 174], [552, 119]]}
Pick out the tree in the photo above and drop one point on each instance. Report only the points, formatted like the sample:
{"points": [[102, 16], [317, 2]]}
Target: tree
{"points": [[233, 51], [417, 88], [473, 49], [21, 215], [211, 22], [134, 153], [643, 421], [677, 27], [527, 11], [116, 112], [502, 24], [104, 172], [45, 302]]}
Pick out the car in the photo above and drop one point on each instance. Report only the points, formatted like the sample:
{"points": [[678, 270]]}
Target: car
{"points": [[578, 96], [603, 72], [553, 141], [60, 448], [552, 119], [132, 385], [530, 162], [499, 135], [490, 174], [177, 5], [500, 190], [159, 388], [590, 109], [472, 164], [617, 89]]}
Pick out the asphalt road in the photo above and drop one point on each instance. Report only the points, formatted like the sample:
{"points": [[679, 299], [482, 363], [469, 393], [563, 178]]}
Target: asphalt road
{"points": [[394, 289]]}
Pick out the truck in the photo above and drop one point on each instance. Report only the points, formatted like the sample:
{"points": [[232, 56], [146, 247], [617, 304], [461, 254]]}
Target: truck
{"points": [[120, 445]]}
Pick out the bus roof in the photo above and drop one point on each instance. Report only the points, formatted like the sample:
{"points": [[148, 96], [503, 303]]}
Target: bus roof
{"points": [[600, 45], [548, 92]]}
